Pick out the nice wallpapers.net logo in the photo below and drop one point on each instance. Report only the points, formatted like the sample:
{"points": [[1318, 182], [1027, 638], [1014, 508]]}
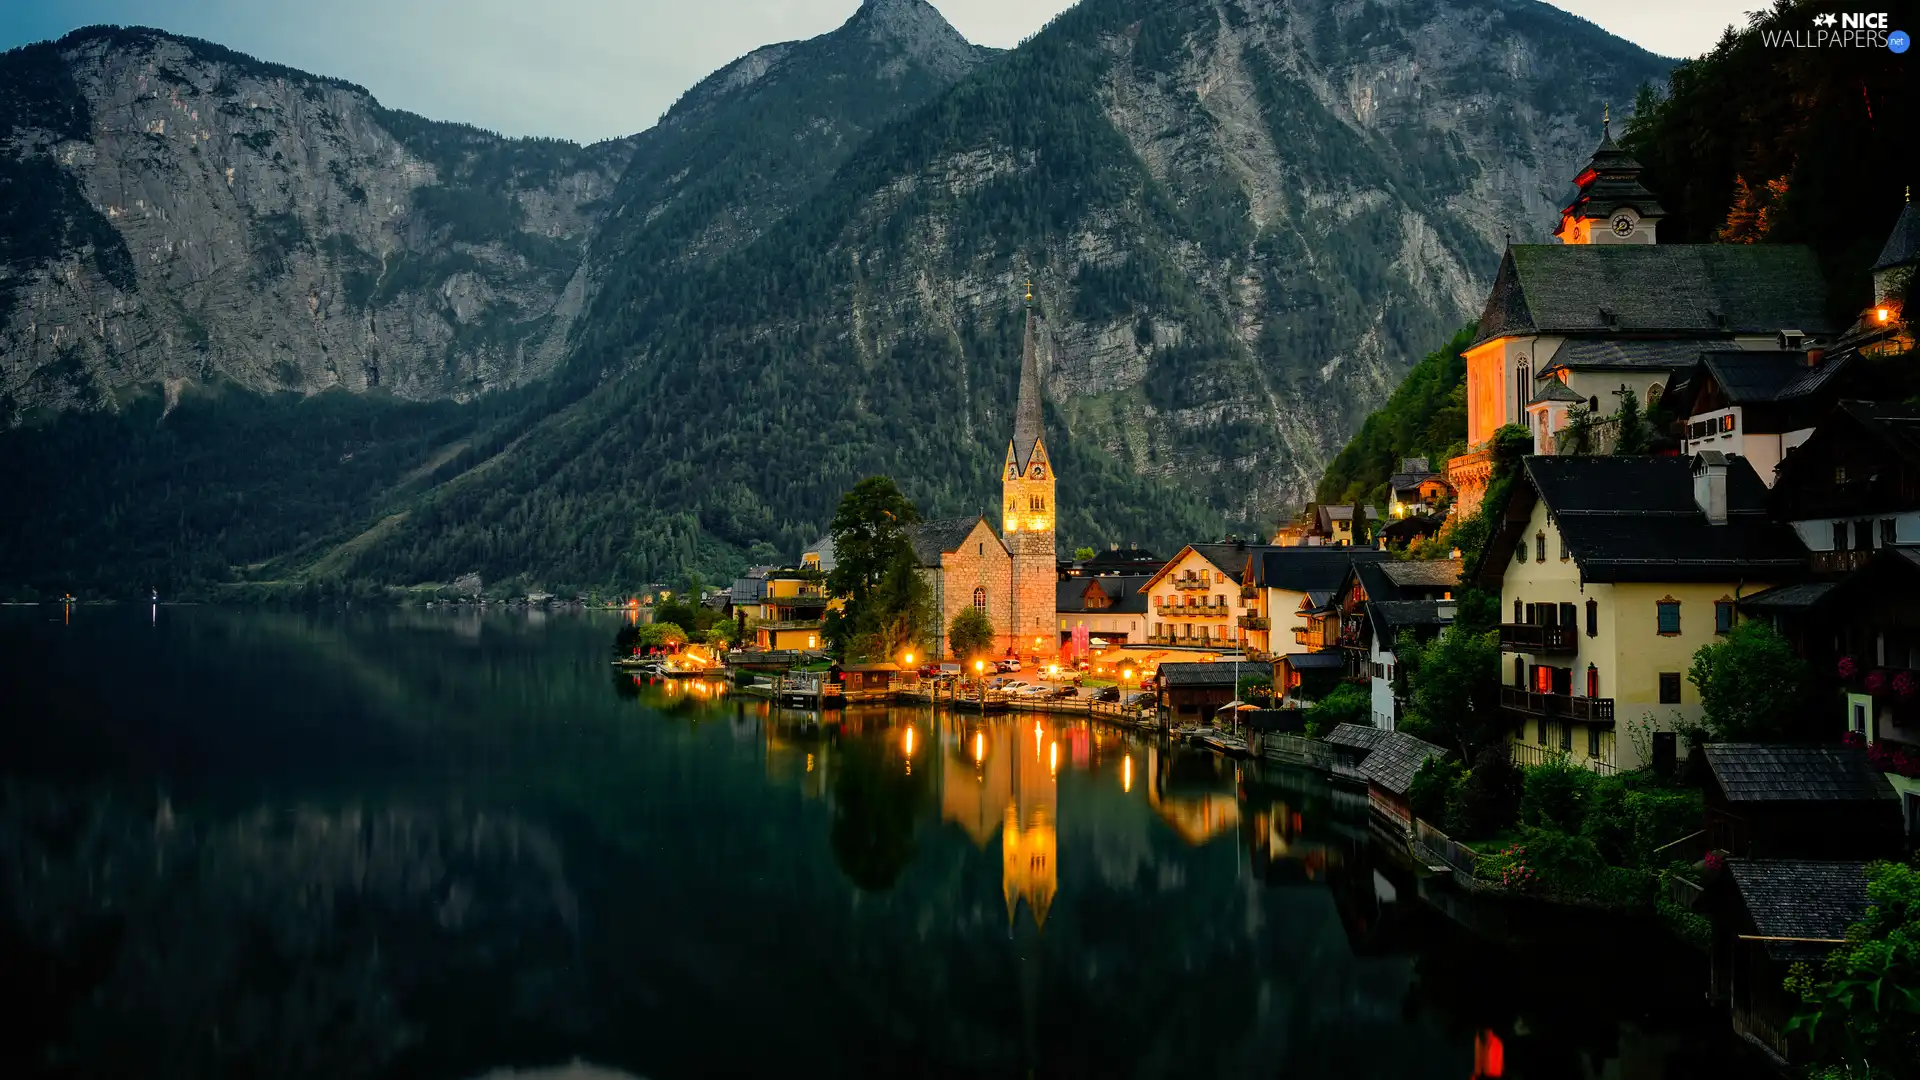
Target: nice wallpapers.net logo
{"points": [[1843, 30]]}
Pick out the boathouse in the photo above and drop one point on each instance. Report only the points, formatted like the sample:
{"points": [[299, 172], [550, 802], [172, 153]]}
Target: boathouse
{"points": [[1786, 801], [1386, 762], [1197, 690], [1778, 913]]}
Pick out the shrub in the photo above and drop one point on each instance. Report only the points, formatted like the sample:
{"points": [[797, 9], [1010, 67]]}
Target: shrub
{"points": [[1555, 796], [1347, 704], [1430, 787], [1486, 800]]}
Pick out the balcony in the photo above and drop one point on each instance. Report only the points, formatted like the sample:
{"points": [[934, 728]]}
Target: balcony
{"points": [[1191, 582], [1249, 592], [1558, 706], [1539, 640], [1254, 622]]}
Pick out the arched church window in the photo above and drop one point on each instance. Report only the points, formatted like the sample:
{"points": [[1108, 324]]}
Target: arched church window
{"points": [[980, 599], [1522, 389]]}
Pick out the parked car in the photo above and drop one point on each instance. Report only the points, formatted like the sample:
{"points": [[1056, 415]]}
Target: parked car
{"points": [[1107, 693], [1138, 700], [1006, 666], [1062, 692]]}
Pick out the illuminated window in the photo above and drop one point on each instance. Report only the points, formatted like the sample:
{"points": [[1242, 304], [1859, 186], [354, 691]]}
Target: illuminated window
{"points": [[1669, 611], [1593, 681], [1727, 422], [980, 599]]}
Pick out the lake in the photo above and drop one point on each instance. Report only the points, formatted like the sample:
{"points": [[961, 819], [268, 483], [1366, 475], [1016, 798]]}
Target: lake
{"points": [[448, 844]]}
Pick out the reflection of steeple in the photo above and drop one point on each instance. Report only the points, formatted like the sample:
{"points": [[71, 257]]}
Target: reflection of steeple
{"points": [[1029, 843], [975, 784], [1190, 794]]}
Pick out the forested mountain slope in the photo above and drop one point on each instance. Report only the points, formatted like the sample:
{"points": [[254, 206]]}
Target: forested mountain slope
{"points": [[1244, 218]]}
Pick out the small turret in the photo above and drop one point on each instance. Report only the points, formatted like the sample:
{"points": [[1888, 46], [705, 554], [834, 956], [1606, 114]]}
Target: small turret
{"points": [[1613, 206]]}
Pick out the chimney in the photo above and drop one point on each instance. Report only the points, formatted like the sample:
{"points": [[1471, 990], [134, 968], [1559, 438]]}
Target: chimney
{"points": [[1816, 357], [1710, 485]]}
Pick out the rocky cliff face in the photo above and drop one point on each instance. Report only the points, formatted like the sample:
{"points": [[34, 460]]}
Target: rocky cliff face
{"points": [[212, 216]]}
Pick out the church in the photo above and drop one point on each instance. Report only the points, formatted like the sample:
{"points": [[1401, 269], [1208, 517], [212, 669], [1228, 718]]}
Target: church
{"points": [[1569, 327], [1011, 575]]}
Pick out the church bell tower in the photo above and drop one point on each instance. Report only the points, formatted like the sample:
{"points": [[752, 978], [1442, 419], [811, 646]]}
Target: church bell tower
{"points": [[1613, 206], [1030, 510]]}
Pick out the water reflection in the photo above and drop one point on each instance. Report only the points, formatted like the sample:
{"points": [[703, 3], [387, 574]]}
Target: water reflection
{"points": [[447, 847]]}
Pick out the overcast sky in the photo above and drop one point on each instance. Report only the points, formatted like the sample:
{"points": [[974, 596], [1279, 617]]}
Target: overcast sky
{"points": [[593, 69]]}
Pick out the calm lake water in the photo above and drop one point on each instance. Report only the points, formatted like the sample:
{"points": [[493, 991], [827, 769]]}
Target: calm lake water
{"points": [[448, 845]]}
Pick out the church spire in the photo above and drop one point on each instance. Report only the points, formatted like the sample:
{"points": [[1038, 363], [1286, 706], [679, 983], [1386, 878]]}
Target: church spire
{"points": [[1612, 205], [1026, 410]]}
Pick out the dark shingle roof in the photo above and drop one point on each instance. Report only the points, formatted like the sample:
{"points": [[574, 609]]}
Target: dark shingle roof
{"points": [[1231, 559], [1678, 289], [1200, 674], [1391, 616], [1766, 772], [748, 590], [1555, 390], [1121, 557], [1423, 573], [1628, 355], [1612, 180], [1124, 591], [1746, 377], [1634, 519], [1325, 659], [1785, 598], [1310, 570], [1795, 898], [1392, 757], [932, 539], [1903, 245]]}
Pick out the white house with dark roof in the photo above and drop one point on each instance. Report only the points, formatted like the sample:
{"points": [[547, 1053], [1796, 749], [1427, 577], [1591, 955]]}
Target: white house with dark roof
{"points": [[1610, 309], [1612, 573]]}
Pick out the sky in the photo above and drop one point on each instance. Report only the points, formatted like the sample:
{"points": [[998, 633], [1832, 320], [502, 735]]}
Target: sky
{"points": [[595, 69]]}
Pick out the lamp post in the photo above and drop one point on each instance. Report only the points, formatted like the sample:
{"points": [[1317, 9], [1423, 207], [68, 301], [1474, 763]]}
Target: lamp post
{"points": [[980, 678]]}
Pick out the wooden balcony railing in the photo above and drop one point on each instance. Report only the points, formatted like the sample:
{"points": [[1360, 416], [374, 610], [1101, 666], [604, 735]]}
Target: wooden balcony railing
{"points": [[1539, 640], [1191, 583], [1525, 753], [1559, 706], [1249, 592], [1254, 622]]}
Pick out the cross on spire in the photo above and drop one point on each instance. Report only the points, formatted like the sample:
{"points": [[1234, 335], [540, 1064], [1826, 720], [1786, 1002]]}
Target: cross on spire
{"points": [[1606, 119], [1029, 294]]}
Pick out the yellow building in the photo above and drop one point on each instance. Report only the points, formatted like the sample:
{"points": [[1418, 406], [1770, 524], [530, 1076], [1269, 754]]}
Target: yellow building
{"points": [[1613, 572], [1196, 601], [783, 607]]}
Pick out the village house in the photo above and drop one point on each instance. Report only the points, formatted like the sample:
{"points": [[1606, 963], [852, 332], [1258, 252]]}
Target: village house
{"points": [[1615, 571], [1195, 601], [1610, 310], [1115, 561], [1757, 404], [783, 608], [1416, 490], [1289, 586], [1391, 622], [1374, 605], [1331, 525], [1112, 608]]}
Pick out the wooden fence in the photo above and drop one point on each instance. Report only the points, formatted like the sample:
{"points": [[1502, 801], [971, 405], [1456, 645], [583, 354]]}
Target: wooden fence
{"points": [[1456, 856], [1296, 750]]}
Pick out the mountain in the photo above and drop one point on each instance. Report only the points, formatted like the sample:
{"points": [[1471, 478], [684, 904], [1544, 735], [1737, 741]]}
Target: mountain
{"points": [[1244, 218], [195, 213]]}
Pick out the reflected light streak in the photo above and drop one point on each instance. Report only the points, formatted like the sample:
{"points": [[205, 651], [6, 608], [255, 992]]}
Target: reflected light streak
{"points": [[1053, 757], [979, 747], [909, 740], [1126, 774], [1036, 738]]}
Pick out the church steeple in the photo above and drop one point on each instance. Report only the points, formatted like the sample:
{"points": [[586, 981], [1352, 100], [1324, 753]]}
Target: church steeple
{"points": [[1612, 206], [1027, 431]]}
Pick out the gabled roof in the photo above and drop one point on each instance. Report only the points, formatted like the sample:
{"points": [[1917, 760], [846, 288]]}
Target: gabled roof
{"points": [[748, 590], [1200, 674], [1324, 660], [1634, 518], [1229, 559], [822, 547], [1782, 599], [1392, 757], [1555, 390], [1903, 245], [1810, 904], [1708, 290], [1769, 772], [1611, 180], [932, 539], [1127, 593], [1122, 558]]}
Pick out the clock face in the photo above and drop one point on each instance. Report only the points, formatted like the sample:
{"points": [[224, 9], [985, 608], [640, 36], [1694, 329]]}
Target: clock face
{"points": [[1013, 472], [1623, 226], [1039, 472]]}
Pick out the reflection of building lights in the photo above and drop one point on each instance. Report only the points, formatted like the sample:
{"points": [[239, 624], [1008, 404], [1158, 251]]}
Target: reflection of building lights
{"points": [[1053, 757], [1881, 314], [909, 740], [1126, 774], [809, 762], [1036, 738], [979, 747]]}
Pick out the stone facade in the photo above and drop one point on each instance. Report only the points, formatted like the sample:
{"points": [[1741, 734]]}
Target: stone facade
{"points": [[975, 572]]}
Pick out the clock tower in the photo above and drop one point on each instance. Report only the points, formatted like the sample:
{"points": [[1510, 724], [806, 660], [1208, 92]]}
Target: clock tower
{"points": [[1613, 206], [1029, 510]]}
